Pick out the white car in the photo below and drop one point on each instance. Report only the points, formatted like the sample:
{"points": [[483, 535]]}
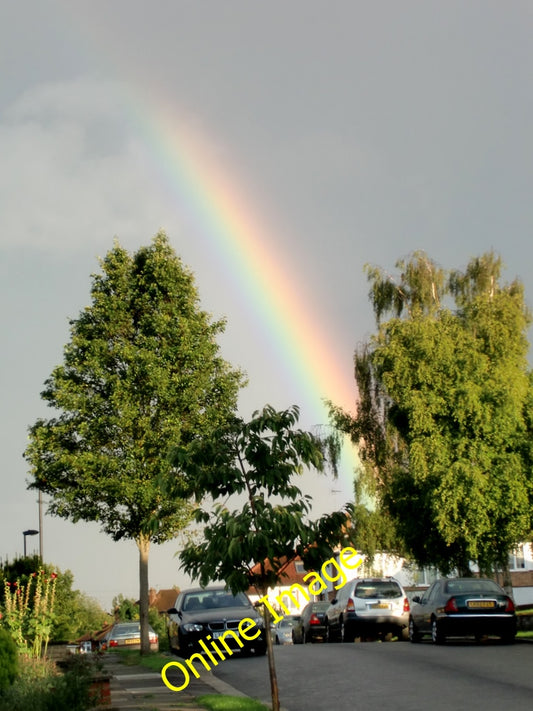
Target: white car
{"points": [[368, 607]]}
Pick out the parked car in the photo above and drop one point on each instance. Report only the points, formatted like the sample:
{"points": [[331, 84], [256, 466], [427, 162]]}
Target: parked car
{"points": [[282, 630], [460, 607], [128, 634], [312, 623], [204, 614], [368, 607]]}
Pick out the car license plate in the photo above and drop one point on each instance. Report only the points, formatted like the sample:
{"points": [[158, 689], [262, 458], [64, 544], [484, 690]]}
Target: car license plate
{"points": [[480, 603], [380, 606], [132, 641]]}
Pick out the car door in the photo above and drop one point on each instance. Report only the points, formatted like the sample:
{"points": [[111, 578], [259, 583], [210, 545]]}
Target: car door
{"points": [[336, 608], [424, 609]]}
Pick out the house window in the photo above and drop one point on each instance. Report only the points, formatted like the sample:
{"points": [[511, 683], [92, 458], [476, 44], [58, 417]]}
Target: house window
{"points": [[517, 559], [299, 567]]}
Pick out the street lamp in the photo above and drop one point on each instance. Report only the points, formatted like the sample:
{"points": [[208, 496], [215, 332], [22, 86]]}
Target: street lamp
{"points": [[29, 532]]}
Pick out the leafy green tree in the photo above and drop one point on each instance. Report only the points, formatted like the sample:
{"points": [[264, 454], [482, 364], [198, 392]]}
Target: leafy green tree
{"points": [[257, 460], [444, 400], [142, 372], [125, 609]]}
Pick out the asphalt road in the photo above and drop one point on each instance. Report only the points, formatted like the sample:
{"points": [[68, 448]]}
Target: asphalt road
{"points": [[397, 676]]}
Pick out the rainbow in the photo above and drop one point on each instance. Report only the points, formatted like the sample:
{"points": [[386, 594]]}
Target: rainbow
{"points": [[212, 199], [222, 213]]}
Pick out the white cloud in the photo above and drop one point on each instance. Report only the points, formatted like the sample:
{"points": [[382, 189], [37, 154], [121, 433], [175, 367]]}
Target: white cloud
{"points": [[72, 169]]}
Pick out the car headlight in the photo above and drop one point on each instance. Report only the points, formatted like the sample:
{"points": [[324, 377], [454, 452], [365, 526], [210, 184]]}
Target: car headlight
{"points": [[191, 627]]}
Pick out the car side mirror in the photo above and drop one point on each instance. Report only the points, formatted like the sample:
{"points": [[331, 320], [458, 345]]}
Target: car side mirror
{"points": [[416, 598], [334, 601], [172, 611]]}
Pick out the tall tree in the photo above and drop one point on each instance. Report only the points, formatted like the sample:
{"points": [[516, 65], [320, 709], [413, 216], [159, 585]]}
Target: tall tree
{"points": [[258, 459], [142, 372], [442, 422]]}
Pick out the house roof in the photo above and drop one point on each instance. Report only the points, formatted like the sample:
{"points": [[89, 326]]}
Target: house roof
{"points": [[288, 573], [163, 600], [96, 635]]}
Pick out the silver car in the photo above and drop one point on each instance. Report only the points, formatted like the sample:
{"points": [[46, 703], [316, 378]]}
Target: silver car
{"points": [[128, 635], [368, 607]]}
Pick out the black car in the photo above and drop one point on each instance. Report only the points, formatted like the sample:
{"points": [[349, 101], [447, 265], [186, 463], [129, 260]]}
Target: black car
{"points": [[311, 625], [461, 607], [210, 614]]}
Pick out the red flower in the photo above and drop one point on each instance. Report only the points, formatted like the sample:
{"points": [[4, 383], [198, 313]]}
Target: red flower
{"points": [[53, 576]]}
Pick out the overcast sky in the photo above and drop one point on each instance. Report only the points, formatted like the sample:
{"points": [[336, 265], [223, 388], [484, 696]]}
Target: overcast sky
{"points": [[281, 146]]}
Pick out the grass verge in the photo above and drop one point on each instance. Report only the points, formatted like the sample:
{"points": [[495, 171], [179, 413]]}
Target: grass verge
{"points": [[154, 661], [216, 702]]}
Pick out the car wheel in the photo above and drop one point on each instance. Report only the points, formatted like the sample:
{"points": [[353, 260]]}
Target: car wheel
{"points": [[347, 634], [277, 639], [403, 634], [260, 651], [329, 634], [508, 638], [414, 634], [304, 638], [436, 633]]}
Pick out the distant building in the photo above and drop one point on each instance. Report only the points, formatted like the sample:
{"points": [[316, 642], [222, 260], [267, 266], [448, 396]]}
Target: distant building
{"points": [[292, 571]]}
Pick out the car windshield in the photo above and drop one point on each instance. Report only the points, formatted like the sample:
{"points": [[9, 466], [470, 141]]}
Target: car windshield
{"points": [[377, 588], [472, 586], [320, 606], [133, 628], [213, 599], [286, 622]]}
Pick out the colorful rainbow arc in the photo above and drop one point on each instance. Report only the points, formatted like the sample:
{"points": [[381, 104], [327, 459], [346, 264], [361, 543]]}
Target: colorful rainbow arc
{"points": [[219, 211]]}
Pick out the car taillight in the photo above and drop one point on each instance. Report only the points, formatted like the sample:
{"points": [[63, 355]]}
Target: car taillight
{"points": [[313, 620], [350, 607], [451, 605], [510, 605], [406, 606]]}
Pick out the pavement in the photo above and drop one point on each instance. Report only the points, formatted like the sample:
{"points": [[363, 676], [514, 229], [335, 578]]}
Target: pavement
{"points": [[136, 688]]}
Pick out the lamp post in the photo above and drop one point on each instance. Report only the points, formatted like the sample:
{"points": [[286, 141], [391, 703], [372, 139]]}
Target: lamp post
{"points": [[29, 532]]}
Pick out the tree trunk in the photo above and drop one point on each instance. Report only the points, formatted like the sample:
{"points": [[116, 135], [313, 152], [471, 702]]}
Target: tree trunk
{"points": [[143, 544], [271, 662], [507, 581]]}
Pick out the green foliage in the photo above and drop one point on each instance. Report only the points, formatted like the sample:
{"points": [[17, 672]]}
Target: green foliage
{"points": [[74, 612], [141, 373], [158, 623], [218, 702], [29, 611], [444, 419], [125, 609], [258, 459], [8, 660], [39, 687]]}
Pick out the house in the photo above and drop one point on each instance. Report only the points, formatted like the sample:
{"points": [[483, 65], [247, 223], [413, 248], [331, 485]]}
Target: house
{"points": [[163, 600], [292, 572]]}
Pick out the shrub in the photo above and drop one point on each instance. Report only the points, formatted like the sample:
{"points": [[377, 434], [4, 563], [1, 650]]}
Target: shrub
{"points": [[40, 687], [8, 660]]}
